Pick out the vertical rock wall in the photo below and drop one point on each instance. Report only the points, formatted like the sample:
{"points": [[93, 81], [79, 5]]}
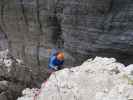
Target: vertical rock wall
{"points": [[101, 28], [81, 28]]}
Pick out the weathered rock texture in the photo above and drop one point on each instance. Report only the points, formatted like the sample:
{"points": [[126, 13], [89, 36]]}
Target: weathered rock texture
{"points": [[98, 79], [82, 28], [99, 28], [15, 76]]}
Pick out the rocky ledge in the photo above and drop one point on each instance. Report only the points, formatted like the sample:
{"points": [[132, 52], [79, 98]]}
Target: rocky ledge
{"points": [[95, 79]]}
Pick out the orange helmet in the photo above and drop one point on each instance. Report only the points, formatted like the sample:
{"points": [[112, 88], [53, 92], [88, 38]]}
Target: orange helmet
{"points": [[60, 56]]}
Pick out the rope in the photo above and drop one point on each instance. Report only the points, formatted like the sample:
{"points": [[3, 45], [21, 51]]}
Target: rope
{"points": [[39, 90]]}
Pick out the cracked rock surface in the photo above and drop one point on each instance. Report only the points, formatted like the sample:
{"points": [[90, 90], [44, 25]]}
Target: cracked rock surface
{"points": [[97, 79], [86, 28], [15, 76]]}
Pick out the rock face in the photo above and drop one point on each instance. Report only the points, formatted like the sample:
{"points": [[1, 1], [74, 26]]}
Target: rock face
{"points": [[98, 79], [15, 76], [99, 28], [81, 28]]}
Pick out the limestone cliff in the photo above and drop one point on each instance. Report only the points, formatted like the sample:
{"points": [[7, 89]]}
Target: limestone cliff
{"points": [[81, 28]]}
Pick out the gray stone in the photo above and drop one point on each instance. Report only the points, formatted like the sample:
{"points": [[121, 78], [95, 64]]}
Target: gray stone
{"points": [[3, 96], [15, 76], [81, 28]]}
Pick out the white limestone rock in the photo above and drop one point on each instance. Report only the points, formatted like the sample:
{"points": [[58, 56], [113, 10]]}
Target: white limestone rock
{"points": [[98, 79]]}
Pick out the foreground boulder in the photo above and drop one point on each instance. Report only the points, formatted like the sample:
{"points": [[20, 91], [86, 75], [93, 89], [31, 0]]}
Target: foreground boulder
{"points": [[98, 79]]}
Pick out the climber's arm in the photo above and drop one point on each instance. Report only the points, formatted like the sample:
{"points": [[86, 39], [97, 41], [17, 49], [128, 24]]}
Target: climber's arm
{"points": [[52, 63]]}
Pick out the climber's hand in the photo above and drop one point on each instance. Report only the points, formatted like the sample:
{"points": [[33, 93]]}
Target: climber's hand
{"points": [[55, 67]]}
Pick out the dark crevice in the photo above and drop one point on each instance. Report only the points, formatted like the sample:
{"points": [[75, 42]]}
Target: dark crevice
{"points": [[1, 30], [23, 12], [57, 35], [3, 4], [2, 18], [27, 25], [40, 31], [3, 36], [2, 13], [111, 5]]}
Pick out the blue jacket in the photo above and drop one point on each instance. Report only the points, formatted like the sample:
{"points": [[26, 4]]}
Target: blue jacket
{"points": [[53, 61]]}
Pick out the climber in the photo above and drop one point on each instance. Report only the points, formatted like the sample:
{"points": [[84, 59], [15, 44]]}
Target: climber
{"points": [[56, 60]]}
